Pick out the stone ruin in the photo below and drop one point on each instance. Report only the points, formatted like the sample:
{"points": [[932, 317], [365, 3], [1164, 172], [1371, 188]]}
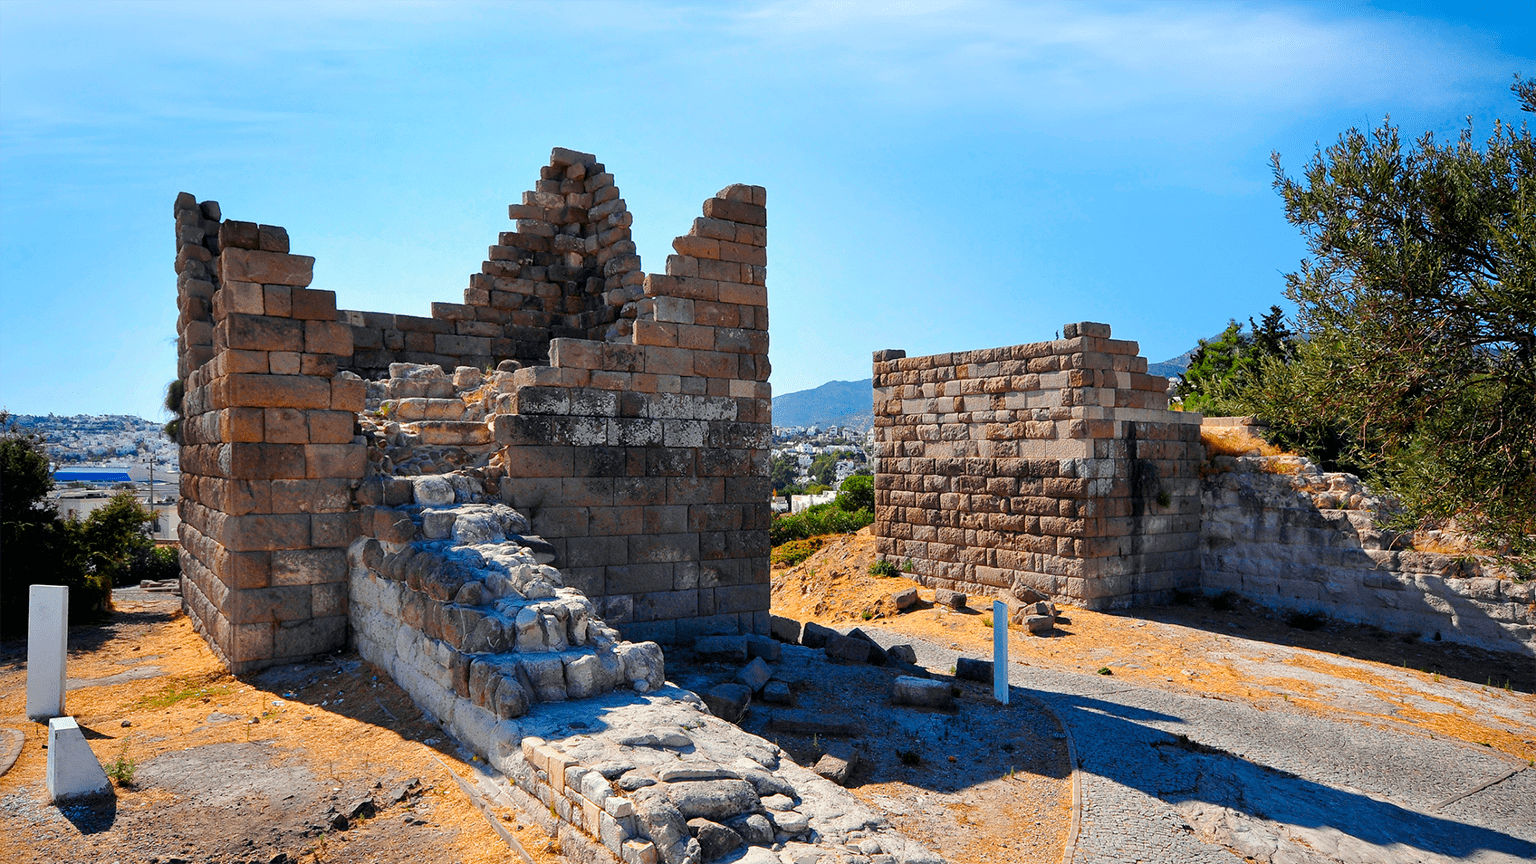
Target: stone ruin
{"points": [[1052, 469], [625, 416], [1056, 470], [508, 504]]}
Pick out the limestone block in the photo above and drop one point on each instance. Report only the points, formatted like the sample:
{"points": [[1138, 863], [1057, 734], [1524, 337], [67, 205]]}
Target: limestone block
{"points": [[922, 692], [839, 647], [267, 268], [47, 649], [433, 491], [73, 769], [754, 675]]}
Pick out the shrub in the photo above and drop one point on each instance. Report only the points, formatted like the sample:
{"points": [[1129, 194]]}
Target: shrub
{"points": [[882, 568], [122, 769], [814, 521], [794, 551]]}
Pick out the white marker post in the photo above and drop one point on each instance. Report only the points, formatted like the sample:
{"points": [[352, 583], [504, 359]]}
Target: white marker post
{"points": [[1000, 651], [47, 646], [73, 769]]}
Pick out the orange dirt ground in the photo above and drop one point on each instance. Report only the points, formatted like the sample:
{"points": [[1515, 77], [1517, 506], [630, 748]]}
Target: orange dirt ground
{"points": [[368, 732], [1233, 651]]}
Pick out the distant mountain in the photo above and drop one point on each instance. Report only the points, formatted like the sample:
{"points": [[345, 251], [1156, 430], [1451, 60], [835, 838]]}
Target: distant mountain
{"points": [[835, 403], [1172, 367]]}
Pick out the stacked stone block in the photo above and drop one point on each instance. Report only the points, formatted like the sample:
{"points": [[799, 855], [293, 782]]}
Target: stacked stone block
{"points": [[569, 270], [1050, 468], [197, 244], [645, 462], [268, 457]]}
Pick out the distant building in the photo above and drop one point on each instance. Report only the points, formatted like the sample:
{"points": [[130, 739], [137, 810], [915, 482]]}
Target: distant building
{"points": [[799, 503]]}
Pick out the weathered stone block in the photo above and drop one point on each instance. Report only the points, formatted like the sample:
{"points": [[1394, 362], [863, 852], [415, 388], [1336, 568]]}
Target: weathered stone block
{"points": [[275, 268]]}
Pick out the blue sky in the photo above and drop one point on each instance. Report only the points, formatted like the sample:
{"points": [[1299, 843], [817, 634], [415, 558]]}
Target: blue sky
{"points": [[941, 176]]}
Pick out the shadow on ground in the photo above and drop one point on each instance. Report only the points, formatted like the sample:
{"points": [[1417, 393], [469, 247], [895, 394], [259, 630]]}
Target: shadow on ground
{"points": [[1229, 615]]}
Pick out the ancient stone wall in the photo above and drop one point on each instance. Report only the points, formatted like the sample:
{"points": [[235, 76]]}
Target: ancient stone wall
{"points": [[1053, 468], [1281, 532], [645, 461], [568, 271], [268, 456], [642, 458]]}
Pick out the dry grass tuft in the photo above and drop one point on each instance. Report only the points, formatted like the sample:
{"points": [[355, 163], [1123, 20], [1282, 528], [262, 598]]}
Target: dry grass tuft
{"points": [[1236, 441]]}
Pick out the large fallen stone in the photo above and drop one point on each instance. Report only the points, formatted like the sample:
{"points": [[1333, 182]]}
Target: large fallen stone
{"points": [[761, 646], [1038, 624], [661, 821], [754, 828], [952, 599], [877, 655], [971, 669], [784, 629], [683, 772], [814, 635], [754, 675], [795, 721], [922, 692], [768, 784], [902, 654], [791, 822], [905, 599], [712, 799], [715, 840], [778, 693], [837, 764], [729, 702], [839, 647]]}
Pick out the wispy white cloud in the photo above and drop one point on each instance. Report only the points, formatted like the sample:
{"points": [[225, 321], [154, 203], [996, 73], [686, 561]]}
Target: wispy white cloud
{"points": [[1122, 55]]}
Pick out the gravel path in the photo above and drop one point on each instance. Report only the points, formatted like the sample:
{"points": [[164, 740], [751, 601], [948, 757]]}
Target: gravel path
{"points": [[1275, 787]]}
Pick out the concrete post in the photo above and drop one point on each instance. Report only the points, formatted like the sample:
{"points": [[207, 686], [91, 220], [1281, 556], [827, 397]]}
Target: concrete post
{"points": [[1000, 651], [47, 647], [73, 769]]}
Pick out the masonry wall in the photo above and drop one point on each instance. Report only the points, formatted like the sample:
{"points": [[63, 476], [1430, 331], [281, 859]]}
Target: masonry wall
{"points": [[1285, 534], [268, 456], [568, 270], [1052, 468], [633, 433], [645, 461]]}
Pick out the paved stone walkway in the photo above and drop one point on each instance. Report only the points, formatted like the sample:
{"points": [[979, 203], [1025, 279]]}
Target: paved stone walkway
{"points": [[1276, 787]]}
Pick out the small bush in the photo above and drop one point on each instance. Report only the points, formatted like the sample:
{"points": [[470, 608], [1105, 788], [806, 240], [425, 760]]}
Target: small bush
{"points": [[858, 493], [882, 568], [794, 551], [122, 769]]}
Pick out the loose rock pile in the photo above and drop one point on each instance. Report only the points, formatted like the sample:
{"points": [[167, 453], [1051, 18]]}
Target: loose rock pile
{"points": [[660, 767]]}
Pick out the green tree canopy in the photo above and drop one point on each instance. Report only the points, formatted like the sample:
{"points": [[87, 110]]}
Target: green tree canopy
{"points": [[1234, 362], [782, 472], [36, 547], [25, 480], [857, 493], [1418, 309]]}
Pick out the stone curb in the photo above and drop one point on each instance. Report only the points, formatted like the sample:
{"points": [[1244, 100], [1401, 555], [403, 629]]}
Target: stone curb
{"points": [[1068, 849], [13, 741]]}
